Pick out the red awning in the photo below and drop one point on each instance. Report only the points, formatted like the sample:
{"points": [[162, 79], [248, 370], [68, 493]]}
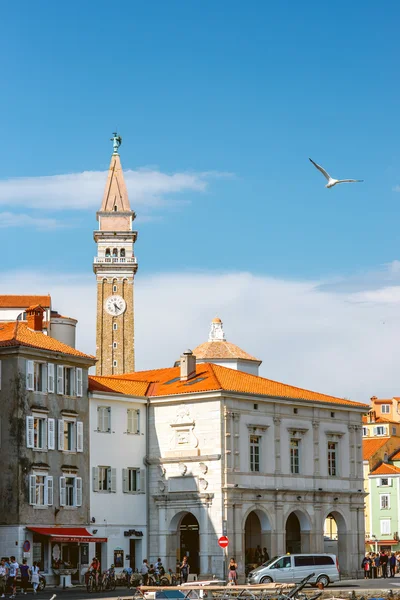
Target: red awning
{"points": [[67, 534]]}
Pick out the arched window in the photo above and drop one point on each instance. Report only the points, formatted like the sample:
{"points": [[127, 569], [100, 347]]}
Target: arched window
{"points": [[108, 252], [122, 253], [115, 252], [115, 208]]}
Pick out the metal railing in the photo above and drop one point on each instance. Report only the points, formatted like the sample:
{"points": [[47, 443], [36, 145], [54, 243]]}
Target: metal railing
{"points": [[116, 259]]}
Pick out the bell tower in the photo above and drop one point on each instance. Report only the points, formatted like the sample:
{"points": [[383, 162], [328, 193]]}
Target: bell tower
{"points": [[115, 266]]}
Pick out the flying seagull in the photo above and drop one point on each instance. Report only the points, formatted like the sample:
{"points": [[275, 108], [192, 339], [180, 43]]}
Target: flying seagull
{"points": [[331, 181]]}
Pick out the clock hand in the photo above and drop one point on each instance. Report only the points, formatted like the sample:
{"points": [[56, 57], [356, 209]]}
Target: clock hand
{"points": [[116, 307]]}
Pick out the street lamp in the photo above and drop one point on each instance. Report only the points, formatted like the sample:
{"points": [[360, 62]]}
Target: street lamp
{"points": [[376, 543]]}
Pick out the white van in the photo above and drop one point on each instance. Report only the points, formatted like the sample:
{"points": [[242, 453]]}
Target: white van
{"points": [[291, 568]]}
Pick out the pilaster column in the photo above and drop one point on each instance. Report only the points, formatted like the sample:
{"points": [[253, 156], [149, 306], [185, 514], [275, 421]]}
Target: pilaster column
{"points": [[315, 425], [277, 442], [235, 431], [352, 451]]}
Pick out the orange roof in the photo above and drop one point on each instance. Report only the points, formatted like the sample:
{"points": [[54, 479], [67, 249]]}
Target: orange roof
{"points": [[221, 350], [379, 420], [17, 333], [122, 386], [372, 445], [210, 377], [386, 469], [216, 320], [396, 455], [24, 301]]}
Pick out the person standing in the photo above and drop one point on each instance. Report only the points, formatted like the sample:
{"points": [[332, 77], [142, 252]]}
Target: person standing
{"points": [[35, 576], [12, 576], [392, 564], [265, 555], [3, 577], [184, 569], [232, 572], [24, 568], [366, 566], [377, 565], [144, 571]]}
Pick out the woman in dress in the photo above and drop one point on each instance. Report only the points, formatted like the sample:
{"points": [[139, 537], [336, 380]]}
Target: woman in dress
{"points": [[35, 576], [232, 572], [184, 569]]}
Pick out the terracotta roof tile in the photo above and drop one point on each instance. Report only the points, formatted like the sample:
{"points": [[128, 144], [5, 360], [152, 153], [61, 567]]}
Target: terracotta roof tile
{"points": [[121, 386], [14, 301], [210, 377], [386, 469], [220, 350], [17, 333], [372, 445], [396, 455], [379, 420]]}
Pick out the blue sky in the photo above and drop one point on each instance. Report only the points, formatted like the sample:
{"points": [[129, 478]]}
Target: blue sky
{"points": [[251, 89], [219, 104]]}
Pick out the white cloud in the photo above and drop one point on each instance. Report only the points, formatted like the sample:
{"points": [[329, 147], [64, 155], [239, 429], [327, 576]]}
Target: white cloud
{"points": [[9, 220], [148, 188], [321, 340]]}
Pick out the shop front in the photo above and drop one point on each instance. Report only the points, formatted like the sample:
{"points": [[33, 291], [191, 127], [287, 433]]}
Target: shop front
{"points": [[64, 552]]}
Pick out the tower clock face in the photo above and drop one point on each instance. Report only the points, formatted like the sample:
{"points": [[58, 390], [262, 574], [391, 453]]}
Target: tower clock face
{"points": [[115, 305]]}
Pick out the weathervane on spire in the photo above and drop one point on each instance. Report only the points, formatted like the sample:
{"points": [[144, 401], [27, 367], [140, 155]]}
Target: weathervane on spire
{"points": [[117, 141]]}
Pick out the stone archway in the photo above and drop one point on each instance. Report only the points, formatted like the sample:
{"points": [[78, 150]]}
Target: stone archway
{"points": [[184, 539], [297, 532], [257, 536], [335, 538]]}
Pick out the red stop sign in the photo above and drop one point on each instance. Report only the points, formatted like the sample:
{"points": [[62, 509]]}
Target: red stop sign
{"points": [[223, 541]]}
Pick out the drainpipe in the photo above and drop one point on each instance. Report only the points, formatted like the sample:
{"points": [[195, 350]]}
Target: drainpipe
{"points": [[147, 480], [225, 497]]}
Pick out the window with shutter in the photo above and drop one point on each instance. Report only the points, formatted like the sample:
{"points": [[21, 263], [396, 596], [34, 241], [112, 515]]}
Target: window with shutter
{"points": [[60, 379], [29, 374], [79, 436], [51, 434], [50, 378], [78, 491], [79, 382], [142, 487], [61, 434], [113, 486], [125, 480], [63, 491], [29, 432], [104, 419], [133, 416], [49, 490]]}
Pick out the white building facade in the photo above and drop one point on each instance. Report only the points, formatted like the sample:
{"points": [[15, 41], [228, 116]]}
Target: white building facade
{"points": [[118, 477]]}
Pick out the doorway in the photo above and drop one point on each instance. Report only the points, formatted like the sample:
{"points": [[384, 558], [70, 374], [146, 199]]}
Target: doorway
{"points": [[190, 541], [132, 554], [293, 534]]}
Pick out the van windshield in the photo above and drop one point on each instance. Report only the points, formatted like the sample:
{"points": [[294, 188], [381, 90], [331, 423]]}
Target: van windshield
{"points": [[270, 561]]}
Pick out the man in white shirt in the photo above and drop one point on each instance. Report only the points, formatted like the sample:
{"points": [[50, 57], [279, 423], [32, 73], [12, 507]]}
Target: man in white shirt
{"points": [[12, 576], [144, 570]]}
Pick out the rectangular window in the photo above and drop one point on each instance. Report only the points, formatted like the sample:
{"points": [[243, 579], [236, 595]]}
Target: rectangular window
{"points": [[39, 377], [332, 459], [115, 326], [104, 419], [294, 456], [36, 432], [133, 420], [131, 480], [385, 500], [40, 490], [385, 526], [380, 430], [70, 491], [104, 479], [69, 436], [114, 363], [69, 381], [365, 431], [385, 408], [384, 481], [255, 453], [114, 344]]}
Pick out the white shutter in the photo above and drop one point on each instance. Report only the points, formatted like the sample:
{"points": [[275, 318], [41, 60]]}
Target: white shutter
{"points": [[60, 379], [95, 473], [79, 436], [49, 490], [125, 480], [107, 419], [61, 434], [78, 491], [32, 489], [79, 382], [63, 492], [29, 432], [51, 434], [130, 420], [142, 480], [138, 421], [113, 480], [29, 374], [50, 378]]}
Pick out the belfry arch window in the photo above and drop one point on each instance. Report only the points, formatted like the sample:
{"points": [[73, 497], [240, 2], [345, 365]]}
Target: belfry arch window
{"points": [[115, 251], [122, 253], [108, 252], [115, 208]]}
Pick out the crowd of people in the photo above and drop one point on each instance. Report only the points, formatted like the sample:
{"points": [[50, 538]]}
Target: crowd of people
{"points": [[11, 570], [381, 564]]}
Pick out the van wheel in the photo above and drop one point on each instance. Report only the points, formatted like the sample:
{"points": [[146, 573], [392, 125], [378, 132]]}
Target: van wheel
{"points": [[323, 580], [266, 580]]}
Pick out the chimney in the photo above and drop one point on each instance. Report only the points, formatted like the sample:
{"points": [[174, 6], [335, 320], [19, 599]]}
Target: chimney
{"points": [[34, 317], [188, 365]]}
